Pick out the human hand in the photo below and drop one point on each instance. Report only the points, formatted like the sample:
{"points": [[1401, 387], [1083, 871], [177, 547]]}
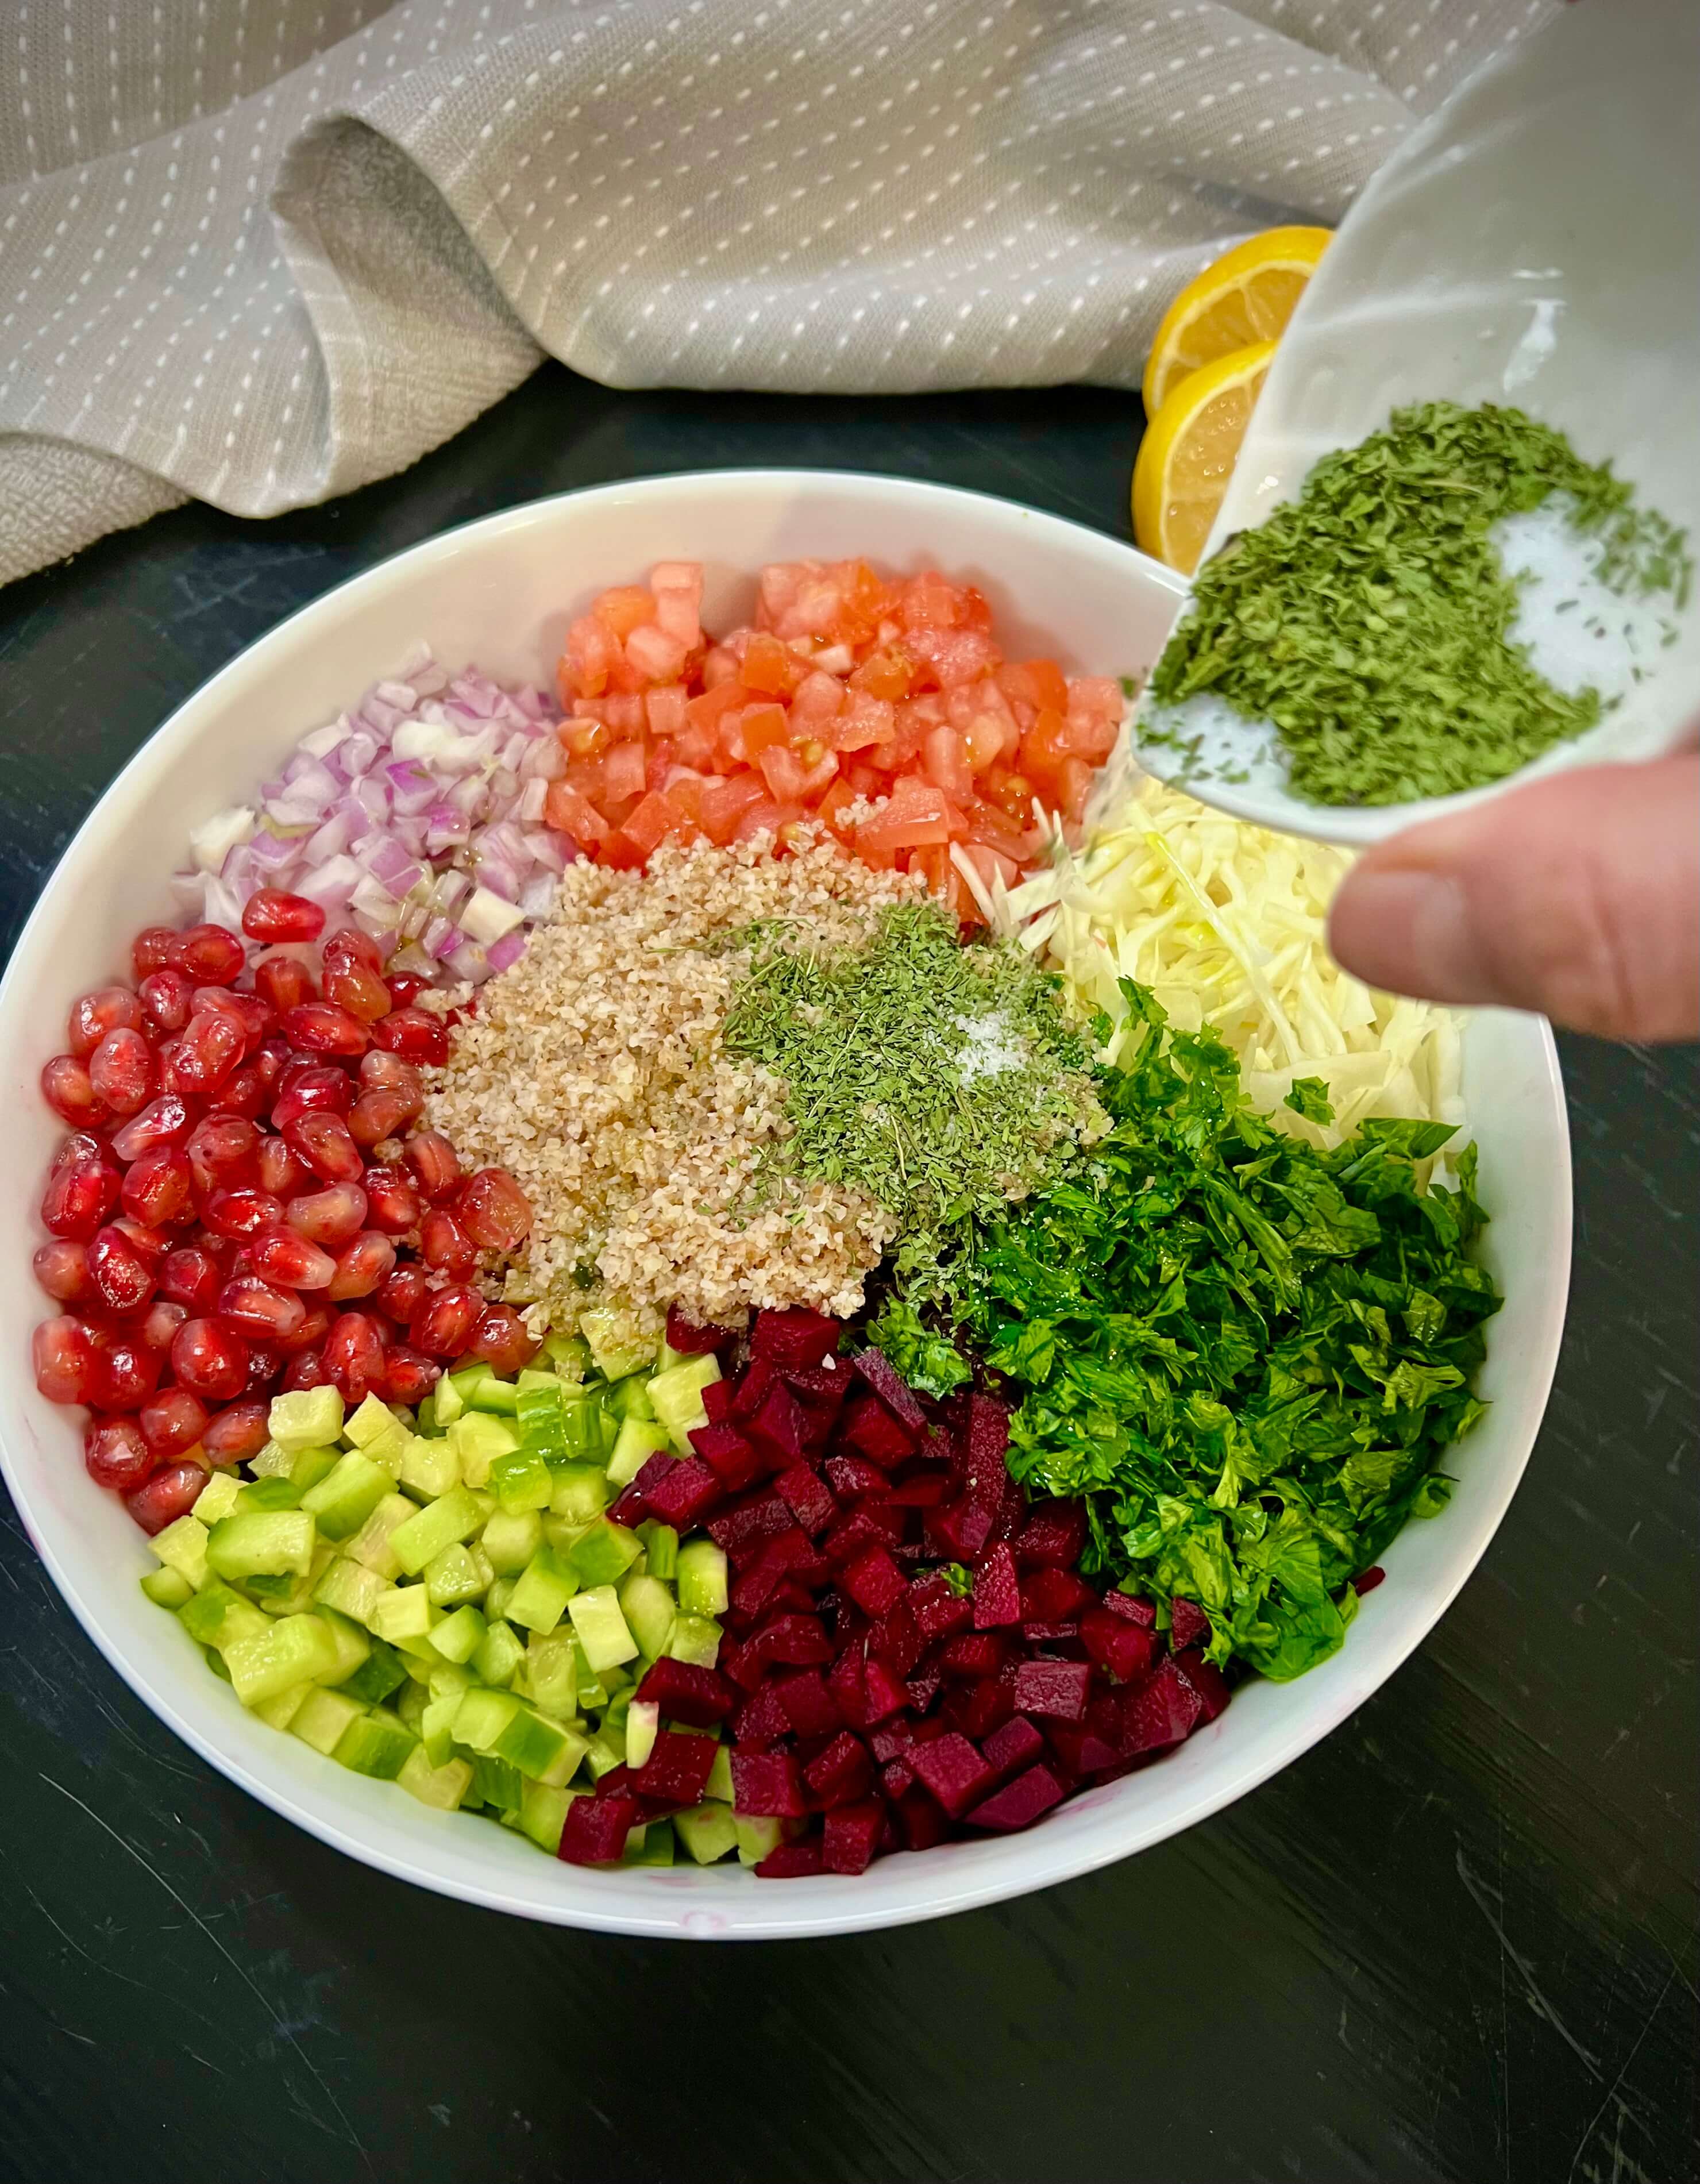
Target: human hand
{"points": [[1578, 895]]}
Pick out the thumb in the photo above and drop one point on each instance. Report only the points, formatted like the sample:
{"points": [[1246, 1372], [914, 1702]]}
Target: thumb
{"points": [[1578, 896]]}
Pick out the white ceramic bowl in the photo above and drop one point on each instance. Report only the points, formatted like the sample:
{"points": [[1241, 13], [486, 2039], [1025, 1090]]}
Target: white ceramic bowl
{"points": [[500, 592]]}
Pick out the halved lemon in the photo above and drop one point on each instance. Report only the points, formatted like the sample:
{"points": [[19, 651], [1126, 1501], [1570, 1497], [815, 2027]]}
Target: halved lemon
{"points": [[1246, 296], [1188, 454]]}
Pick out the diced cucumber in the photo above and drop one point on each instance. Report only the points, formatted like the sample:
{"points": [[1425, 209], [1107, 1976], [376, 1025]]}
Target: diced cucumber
{"points": [[448, 1403], [492, 1395], [483, 1716], [436, 1728], [441, 1785], [440, 1524], [647, 1607], [354, 1646], [321, 1718], [268, 1494], [719, 1782], [459, 1636], [279, 1712], [551, 1675], [379, 1674], [308, 1466], [262, 1543], [616, 1353], [601, 1628], [272, 1463], [643, 1726], [579, 1492], [371, 1422], [305, 1419], [652, 1845], [543, 1814], [630, 1398], [540, 1748], [376, 1744], [520, 1479], [477, 1438], [351, 1588], [297, 1649], [636, 1442], [600, 1555], [182, 1546], [756, 1837], [291, 1593], [601, 1757], [696, 1639], [405, 1612], [660, 1549], [497, 1596], [346, 1496], [676, 1397], [499, 1653], [592, 1691], [430, 1468], [540, 1598], [217, 1498], [424, 1419], [510, 1539], [702, 1579], [568, 1355], [167, 1588], [667, 1357], [453, 1577], [370, 1544], [214, 1661], [495, 1783], [389, 1451], [708, 1831], [219, 1616]]}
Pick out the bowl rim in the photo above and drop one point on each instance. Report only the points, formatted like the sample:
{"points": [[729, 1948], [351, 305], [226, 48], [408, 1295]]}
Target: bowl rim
{"points": [[1030, 1861]]}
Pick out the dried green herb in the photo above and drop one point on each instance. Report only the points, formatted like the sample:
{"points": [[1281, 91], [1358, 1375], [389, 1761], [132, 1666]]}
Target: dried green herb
{"points": [[1368, 619]]}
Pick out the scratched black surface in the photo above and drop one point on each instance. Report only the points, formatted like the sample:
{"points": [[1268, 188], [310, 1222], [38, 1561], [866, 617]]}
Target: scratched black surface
{"points": [[1457, 1942]]}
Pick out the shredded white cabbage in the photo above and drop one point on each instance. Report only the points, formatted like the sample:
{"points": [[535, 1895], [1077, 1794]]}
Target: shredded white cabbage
{"points": [[1227, 924]]}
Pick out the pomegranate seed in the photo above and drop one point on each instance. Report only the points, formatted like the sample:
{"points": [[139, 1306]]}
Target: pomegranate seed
{"points": [[353, 1356], [123, 1279], [377, 1115], [257, 1311], [62, 1269], [223, 1153], [279, 1254], [311, 1088], [348, 944], [190, 1277], [163, 1121], [264, 1367], [322, 1028], [270, 1059], [174, 1420], [79, 1197], [115, 1454], [493, 1211], [168, 994], [312, 1331], [256, 1017], [68, 1090], [81, 1145], [151, 1243], [393, 1073], [500, 1339], [445, 1328], [271, 915], [357, 988], [161, 1323], [416, 1036], [325, 1144], [210, 956], [362, 1267], [401, 1294], [126, 1372], [409, 1377], [121, 1070], [241, 1212], [154, 948], [236, 1434], [405, 987], [107, 1009], [160, 1188], [434, 1161], [393, 1198], [332, 1218], [63, 1352], [284, 982], [241, 1094], [171, 1493], [444, 1244], [209, 1358], [281, 1171], [306, 1369], [211, 1045]]}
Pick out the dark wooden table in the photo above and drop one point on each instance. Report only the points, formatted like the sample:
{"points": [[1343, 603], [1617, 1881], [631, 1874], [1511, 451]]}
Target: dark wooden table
{"points": [[1458, 1940]]}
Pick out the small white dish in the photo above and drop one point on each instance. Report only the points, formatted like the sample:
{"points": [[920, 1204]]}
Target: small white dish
{"points": [[1535, 243], [501, 592]]}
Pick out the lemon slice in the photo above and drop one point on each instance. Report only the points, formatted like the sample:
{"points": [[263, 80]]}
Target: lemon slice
{"points": [[1188, 454], [1246, 296]]}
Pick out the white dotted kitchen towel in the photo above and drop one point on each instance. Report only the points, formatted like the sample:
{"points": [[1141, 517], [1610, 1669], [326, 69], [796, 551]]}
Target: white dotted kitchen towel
{"points": [[262, 251]]}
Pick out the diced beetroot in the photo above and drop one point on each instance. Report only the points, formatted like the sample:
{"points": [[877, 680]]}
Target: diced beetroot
{"points": [[795, 1337], [757, 1377], [972, 1654], [809, 1707], [729, 1454], [930, 1725], [628, 1507], [874, 1582], [882, 1694], [794, 1861], [1122, 1648], [766, 1784], [779, 1426], [884, 1378], [1131, 1608], [895, 1737], [922, 1489], [633, 1506], [869, 1429], [717, 1400], [984, 1707], [1013, 1746], [595, 1830], [744, 1528], [923, 1689], [897, 1776], [852, 1836], [1080, 1748], [692, 1339], [919, 1817], [821, 1389], [1056, 1637], [1189, 1625], [1055, 1532], [760, 1581], [1367, 1580], [851, 1476], [1050, 1595], [683, 1494], [1206, 1680], [986, 1438], [954, 1773], [947, 1530], [762, 1718], [807, 1497], [797, 1641], [1019, 1803], [997, 1596], [685, 1690], [847, 1684], [897, 1640], [940, 1614], [676, 1770], [1161, 1711], [840, 1773]]}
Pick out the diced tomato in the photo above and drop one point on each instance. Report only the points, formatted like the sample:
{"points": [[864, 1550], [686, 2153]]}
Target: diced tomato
{"points": [[792, 780], [623, 772], [657, 657], [915, 816], [586, 739], [945, 764], [718, 665], [954, 655], [819, 699], [884, 675], [649, 825], [1046, 745], [1073, 788], [1011, 792], [990, 864], [763, 728], [1035, 682], [771, 668], [664, 758], [622, 608], [934, 865], [994, 830], [864, 723], [620, 850], [624, 713], [664, 711], [724, 803], [589, 659], [572, 813], [726, 697], [678, 590], [832, 805], [768, 817], [684, 794], [700, 750]]}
